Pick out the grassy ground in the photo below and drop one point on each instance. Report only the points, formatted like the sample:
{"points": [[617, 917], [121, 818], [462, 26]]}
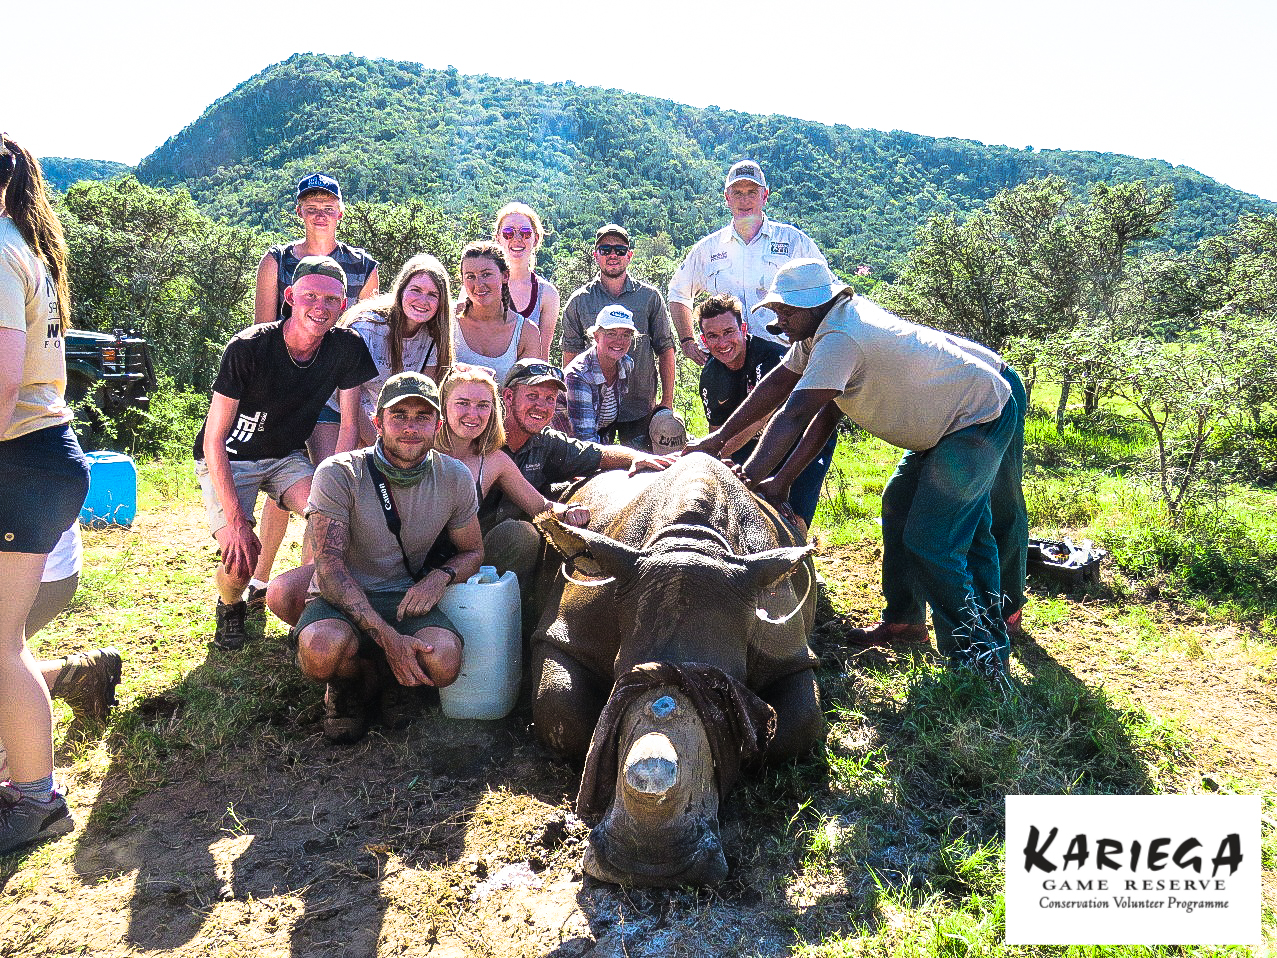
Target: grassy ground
{"points": [[214, 819]]}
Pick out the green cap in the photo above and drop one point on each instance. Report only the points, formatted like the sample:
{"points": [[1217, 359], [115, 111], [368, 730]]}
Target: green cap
{"points": [[403, 386], [322, 266]]}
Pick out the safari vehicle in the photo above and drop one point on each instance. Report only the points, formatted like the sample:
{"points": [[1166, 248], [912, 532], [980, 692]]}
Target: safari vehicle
{"points": [[107, 373]]}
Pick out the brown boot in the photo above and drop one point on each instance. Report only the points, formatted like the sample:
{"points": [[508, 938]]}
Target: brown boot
{"points": [[1015, 624], [890, 635], [87, 682], [345, 712]]}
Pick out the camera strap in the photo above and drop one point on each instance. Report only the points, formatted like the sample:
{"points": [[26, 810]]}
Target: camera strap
{"points": [[393, 522]]}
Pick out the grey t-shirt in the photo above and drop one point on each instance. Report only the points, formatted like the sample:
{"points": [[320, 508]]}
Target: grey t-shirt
{"points": [[343, 490], [908, 384]]}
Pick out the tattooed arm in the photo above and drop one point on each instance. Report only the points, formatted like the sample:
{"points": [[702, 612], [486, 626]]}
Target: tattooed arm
{"points": [[330, 539]]}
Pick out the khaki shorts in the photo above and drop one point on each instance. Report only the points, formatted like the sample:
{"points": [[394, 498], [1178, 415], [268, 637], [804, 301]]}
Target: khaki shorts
{"points": [[272, 476]]}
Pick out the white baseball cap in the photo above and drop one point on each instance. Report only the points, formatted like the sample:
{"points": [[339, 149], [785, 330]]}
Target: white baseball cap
{"points": [[615, 316], [746, 170], [667, 431]]}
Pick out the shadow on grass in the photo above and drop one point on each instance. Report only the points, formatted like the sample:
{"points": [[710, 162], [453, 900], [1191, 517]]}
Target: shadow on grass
{"points": [[223, 789], [906, 803]]}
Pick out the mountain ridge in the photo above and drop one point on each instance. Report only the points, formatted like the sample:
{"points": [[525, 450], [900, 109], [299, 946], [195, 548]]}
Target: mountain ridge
{"points": [[395, 130]]}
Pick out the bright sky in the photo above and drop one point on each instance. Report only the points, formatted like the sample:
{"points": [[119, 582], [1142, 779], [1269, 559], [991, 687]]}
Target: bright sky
{"points": [[1179, 81]]}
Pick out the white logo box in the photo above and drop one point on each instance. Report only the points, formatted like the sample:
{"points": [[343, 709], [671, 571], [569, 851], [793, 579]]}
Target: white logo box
{"points": [[1132, 870]]}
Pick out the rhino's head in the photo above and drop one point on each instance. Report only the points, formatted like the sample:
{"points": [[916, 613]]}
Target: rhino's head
{"points": [[662, 825], [685, 596], [687, 604]]}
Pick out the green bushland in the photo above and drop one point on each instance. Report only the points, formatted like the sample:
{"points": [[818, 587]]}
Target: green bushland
{"points": [[892, 829], [584, 156]]}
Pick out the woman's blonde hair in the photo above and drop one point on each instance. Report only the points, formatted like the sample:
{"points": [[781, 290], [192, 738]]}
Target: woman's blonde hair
{"points": [[493, 436]]}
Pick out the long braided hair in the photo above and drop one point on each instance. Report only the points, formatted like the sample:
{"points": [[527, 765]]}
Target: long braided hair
{"points": [[26, 200], [486, 249]]}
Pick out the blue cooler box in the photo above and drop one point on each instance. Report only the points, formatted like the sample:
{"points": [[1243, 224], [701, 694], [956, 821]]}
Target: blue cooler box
{"points": [[112, 498]]}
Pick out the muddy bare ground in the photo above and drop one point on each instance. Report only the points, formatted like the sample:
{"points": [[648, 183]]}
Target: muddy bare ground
{"points": [[443, 838]]}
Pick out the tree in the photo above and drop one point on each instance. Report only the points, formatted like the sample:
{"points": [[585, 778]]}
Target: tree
{"points": [[146, 259], [1187, 392], [1035, 265], [393, 233], [962, 275]]}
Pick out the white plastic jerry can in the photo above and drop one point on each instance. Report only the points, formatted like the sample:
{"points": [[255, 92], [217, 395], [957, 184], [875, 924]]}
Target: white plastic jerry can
{"points": [[485, 610]]}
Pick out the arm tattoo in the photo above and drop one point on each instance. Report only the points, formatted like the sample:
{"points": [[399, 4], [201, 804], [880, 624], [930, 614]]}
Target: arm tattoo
{"points": [[330, 539]]}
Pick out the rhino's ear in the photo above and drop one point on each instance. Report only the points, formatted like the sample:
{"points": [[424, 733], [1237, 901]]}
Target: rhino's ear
{"points": [[767, 568], [593, 552]]}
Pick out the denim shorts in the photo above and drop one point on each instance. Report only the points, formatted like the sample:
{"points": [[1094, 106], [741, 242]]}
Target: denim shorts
{"points": [[45, 478]]}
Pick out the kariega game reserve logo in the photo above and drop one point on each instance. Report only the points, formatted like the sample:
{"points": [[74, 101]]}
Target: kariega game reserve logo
{"points": [[1132, 870]]}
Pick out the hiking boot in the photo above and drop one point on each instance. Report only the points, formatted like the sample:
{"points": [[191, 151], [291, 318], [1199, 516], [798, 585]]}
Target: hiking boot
{"points": [[1015, 624], [256, 600], [25, 820], [890, 635], [87, 682], [346, 709], [231, 633]]}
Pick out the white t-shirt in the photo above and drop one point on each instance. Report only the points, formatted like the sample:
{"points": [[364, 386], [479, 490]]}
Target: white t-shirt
{"points": [[724, 263], [907, 384], [418, 352], [29, 302]]}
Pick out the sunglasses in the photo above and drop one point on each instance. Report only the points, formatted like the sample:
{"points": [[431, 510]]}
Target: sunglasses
{"points": [[532, 370], [612, 249], [523, 232]]}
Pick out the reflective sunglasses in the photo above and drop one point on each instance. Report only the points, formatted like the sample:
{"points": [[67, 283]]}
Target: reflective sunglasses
{"points": [[524, 232], [541, 369], [612, 249]]}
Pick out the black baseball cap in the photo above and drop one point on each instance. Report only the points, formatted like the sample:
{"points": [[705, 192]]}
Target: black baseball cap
{"points": [[533, 372]]}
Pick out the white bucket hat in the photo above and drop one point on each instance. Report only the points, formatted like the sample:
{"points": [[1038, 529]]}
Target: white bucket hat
{"points": [[805, 283]]}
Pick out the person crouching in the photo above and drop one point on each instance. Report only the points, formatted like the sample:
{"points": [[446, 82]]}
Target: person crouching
{"points": [[372, 517]]}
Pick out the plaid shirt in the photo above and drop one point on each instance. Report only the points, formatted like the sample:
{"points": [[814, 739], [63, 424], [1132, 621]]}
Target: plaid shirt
{"points": [[584, 379]]}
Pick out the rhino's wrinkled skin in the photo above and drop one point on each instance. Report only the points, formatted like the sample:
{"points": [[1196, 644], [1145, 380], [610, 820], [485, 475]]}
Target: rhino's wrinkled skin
{"points": [[691, 597]]}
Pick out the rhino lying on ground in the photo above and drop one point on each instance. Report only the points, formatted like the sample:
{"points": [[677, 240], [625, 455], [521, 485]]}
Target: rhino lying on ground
{"points": [[673, 649]]}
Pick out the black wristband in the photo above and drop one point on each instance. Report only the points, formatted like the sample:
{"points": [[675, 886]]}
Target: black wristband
{"points": [[685, 340], [452, 573]]}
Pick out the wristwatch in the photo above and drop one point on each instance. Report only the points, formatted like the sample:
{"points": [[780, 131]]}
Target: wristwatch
{"points": [[452, 573]]}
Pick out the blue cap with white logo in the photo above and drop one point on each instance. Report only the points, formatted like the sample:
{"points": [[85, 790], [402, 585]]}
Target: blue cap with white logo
{"points": [[318, 181]]}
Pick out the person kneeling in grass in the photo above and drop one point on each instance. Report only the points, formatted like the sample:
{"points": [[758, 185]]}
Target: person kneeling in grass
{"points": [[372, 518]]}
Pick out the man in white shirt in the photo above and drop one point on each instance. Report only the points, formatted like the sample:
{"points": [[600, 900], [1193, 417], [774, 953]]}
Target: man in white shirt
{"points": [[741, 259]]}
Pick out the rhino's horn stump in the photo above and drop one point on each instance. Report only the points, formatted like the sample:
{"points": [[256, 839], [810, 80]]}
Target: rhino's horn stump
{"points": [[651, 768]]}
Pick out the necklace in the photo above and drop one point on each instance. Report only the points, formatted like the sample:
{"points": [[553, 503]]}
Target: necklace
{"points": [[308, 363]]}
